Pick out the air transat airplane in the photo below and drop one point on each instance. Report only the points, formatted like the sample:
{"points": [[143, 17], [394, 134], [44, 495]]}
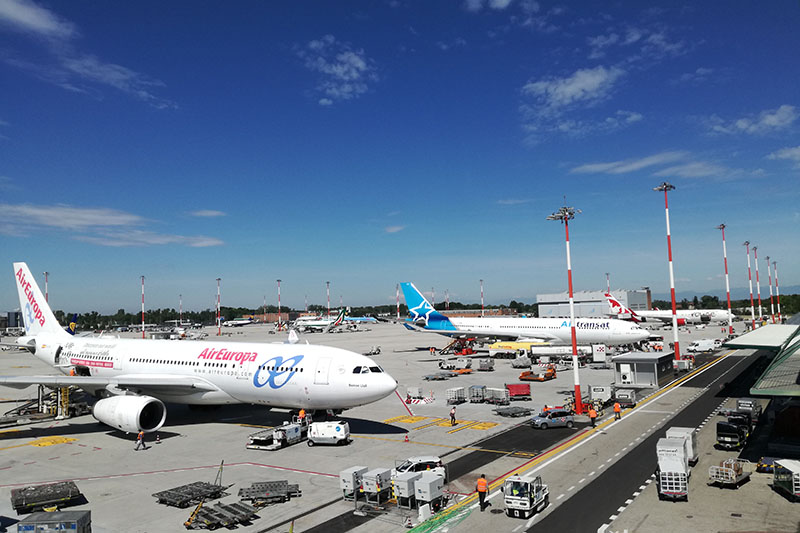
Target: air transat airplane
{"points": [[134, 377], [552, 330], [697, 316]]}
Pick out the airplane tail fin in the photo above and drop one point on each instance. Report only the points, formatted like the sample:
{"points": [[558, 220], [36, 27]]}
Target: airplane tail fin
{"points": [[73, 324], [337, 322], [619, 310], [36, 313], [421, 310]]}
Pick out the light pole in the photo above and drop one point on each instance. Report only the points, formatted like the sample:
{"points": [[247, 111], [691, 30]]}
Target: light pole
{"points": [[481, 298], [666, 187], [46, 298], [143, 307], [397, 295], [564, 214], [758, 282], [279, 303], [750, 281], [771, 304], [219, 322], [433, 298], [608, 284], [306, 302], [180, 310], [447, 299], [727, 283], [777, 291], [328, 291]]}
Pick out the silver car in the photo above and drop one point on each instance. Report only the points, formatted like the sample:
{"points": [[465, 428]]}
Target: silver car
{"points": [[553, 419]]}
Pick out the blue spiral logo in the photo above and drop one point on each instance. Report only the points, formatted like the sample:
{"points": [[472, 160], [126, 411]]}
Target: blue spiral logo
{"points": [[280, 376]]}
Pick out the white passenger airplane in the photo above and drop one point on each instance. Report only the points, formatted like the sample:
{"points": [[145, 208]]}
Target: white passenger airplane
{"points": [[319, 324], [133, 377], [695, 316], [553, 330], [238, 322]]}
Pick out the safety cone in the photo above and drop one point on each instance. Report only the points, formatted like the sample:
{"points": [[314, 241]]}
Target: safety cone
{"points": [[405, 439], [158, 439]]}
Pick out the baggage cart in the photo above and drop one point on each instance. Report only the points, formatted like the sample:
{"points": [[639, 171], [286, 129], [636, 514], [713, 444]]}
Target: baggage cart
{"points": [[519, 391], [477, 393], [730, 473], [672, 485], [191, 493], [513, 411], [263, 493], [36, 498], [522, 362], [41, 522], [227, 515], [456, 395], [486, 365], [497, 396]]}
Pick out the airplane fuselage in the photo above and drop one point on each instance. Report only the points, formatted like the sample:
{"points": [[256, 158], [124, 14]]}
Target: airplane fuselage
{"points": [[588, 330]]}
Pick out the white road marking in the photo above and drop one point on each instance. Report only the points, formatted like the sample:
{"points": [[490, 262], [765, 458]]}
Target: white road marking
{"points": [[571, 488], [591, 473], [581, 480], [559, 497]]}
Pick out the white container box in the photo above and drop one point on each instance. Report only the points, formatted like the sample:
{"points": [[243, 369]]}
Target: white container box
{"points": [[377, 480], [428, 487], [352, 475], [404, 484]]}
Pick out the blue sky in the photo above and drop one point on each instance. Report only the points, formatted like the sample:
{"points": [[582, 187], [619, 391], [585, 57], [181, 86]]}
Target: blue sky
{"points": [[367, 143]]}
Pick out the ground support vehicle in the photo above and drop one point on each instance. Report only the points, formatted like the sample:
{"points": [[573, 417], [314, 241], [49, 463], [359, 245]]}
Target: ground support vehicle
{"points": [[519, 391], [787, 478], [702, 345], [477, 393], [625, 397], [524, 496], [513, 412], [672, 485], [277, 438], [553, 418], [44, 522], [497, 396], [672, 475], [263, 493], [733, 433], [541, 374], [690, 435], [730, 473], [486, 365], [191, 493], [440, 376], [36, 498], [456, 395], [227, 515], [522, 362], [601, 395], [328, 433]]}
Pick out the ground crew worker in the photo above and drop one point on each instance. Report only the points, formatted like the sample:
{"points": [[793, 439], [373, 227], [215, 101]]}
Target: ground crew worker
{"points": [[617, 411], [140, 441], [592, 415], [453, 416], [301, 416], [482, 487]]}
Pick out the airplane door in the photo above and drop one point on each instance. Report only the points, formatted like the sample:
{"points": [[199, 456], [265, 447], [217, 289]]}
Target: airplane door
{"points": [[321, 375]]}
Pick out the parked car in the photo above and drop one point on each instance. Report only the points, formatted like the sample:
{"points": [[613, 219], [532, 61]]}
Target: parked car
{"points": [[420, 463], [553, 419]]}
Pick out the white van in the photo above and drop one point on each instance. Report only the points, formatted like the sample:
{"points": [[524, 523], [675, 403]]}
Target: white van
{"points": [[328, 433], [702, 345]]}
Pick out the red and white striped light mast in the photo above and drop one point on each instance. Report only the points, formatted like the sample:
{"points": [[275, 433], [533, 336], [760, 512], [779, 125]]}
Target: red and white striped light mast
{"points": [[777, 290], [447, 299], [758, 282], [564, 214], [46, 275], [666, 187], [771, 304], [727, 282], [482, 299], [279, 302], [219, 321], [397, 295], [143, 307], [306, 302], [750, 281], [328, 292], [180, 310]]}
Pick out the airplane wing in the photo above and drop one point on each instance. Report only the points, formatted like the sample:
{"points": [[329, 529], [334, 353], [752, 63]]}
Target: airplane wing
{"points": [[139, 383]]}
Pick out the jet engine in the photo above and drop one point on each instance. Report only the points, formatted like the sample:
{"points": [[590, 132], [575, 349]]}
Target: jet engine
{"points": [[131, 413]]}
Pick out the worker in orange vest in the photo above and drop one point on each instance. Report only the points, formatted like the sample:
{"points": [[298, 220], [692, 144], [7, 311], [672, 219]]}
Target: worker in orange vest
{"points": [[140, 441], [592, 415], [617, 411], [301, 416], [482, 487]]}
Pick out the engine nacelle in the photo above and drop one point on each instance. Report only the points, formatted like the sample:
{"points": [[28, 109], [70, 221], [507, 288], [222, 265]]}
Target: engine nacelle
{"points": [[131, 413], [681, 321]]}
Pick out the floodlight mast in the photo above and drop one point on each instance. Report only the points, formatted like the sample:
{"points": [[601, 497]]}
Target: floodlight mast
{"points": [[727, 282], [758, 282], [564, 214], [777, 291], [771, 304], [666, 187], [750, 281]]}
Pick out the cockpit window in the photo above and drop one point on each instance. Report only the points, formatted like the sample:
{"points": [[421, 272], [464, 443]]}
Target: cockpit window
{"points": [[376, 369], [357, 370]]}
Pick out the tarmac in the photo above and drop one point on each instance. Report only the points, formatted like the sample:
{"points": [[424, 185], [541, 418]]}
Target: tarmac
{"points": [[118, 481]]}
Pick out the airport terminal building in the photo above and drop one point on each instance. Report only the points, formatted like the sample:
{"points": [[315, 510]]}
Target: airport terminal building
{"points": [[591, 303]]}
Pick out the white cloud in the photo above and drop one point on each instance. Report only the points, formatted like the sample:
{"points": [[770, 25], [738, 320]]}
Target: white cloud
{"points": [[700, 75], [599, 43], [629, 165], [97, 225], [25, 16], [394, 229], [658, 45], [477, 5], [765, 122], [207, 213], [514, 201], [791, 154], [345, 73], [64, 65], [696, 169], [582, 87], [458, 42]]}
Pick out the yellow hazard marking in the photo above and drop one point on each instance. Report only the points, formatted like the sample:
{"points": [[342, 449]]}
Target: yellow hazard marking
{"points": [[20, 366], [463, 424], [435, 422], [447, 424], [407, 419], [484, 425], [9, 431], [43, 441]]}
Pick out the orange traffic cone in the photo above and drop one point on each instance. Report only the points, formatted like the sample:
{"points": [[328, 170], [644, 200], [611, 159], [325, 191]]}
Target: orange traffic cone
{"points": [[405, 439], [158, 439]]}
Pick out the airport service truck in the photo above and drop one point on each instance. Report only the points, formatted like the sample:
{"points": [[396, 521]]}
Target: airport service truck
{"points": [[672, 475], [702, 345], [524, 496]]}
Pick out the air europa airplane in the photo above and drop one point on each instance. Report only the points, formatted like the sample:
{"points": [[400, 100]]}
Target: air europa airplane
{"points": [[134, 377]]}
